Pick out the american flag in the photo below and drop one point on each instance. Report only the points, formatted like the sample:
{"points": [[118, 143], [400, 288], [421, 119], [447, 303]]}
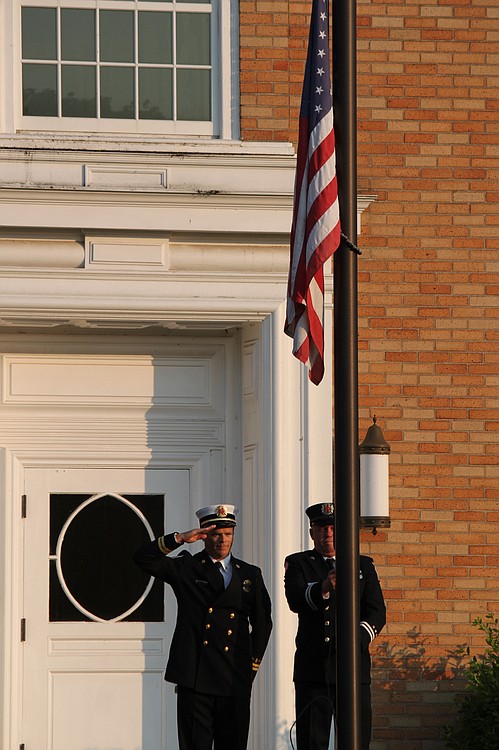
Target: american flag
{"points": [[315, 231]]}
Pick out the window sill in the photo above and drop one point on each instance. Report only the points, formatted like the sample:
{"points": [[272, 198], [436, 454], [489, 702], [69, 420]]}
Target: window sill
{"points": [[142, 144]]}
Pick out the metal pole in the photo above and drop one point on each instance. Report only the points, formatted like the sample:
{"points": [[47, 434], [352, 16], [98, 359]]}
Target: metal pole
{"points": [[346, 458]]}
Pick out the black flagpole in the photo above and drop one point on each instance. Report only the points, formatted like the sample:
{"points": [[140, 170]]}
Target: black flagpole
{"points": [[346, 458]]}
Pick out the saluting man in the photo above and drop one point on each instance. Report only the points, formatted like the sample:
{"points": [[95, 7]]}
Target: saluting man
{"points": [[310, 583], [222, 630]]}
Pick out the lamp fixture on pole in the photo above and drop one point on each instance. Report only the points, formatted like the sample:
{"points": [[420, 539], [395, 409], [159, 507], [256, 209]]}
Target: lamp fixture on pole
{"points": [[374, 495]]}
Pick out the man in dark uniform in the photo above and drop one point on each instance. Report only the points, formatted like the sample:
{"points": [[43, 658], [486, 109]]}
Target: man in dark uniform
{"points": [[222, 630], [310, 582]]}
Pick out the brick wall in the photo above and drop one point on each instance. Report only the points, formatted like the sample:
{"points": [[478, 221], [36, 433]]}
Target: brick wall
{"points": [[428, 91], [273, 47], [428, 83]]}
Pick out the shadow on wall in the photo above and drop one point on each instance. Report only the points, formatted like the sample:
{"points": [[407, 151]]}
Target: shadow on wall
{"points": [[413, 692]]}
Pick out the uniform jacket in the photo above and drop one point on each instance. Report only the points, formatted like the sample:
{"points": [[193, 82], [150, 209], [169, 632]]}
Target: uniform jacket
{"points": [[315, 656], [221, 634]]}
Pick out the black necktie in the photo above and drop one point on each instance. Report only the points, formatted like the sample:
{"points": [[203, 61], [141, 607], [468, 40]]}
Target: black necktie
{"points": [[331, 563], [219, 566]]}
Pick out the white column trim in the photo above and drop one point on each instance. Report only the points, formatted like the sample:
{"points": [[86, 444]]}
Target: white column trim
{"points": [[297, 443]]}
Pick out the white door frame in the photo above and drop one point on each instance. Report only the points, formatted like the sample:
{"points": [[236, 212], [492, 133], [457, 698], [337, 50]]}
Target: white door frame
{"points": [[286, 458]]}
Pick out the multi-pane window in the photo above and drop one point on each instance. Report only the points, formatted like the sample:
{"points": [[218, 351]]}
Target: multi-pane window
{"points": [[129, 60]]}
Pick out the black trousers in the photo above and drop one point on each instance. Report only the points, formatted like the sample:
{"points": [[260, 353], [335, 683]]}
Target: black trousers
{"points": [[212, 722], [315, 708]]}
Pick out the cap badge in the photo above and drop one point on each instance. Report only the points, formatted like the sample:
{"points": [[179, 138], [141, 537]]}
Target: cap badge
{"points": [[327, 509], [222, 511]]}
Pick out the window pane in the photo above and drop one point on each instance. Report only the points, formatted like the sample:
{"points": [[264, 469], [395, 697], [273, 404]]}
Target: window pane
{"points": [[155, 37], [78, 34], [116, 36], [193, 39], [155, 94], [117, 93], [78, 91], [40, 90], [39, 33], [193, 95], [95, 557], [134, 64]]}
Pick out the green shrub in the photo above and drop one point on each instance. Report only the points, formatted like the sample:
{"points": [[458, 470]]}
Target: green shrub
{"points": [[477, 721]]}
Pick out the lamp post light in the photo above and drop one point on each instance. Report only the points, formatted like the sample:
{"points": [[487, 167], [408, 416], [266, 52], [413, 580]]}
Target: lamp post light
{"points": [[374, 493]]}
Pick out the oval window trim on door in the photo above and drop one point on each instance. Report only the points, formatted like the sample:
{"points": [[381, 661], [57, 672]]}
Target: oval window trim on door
{"points": [[58, 557]]}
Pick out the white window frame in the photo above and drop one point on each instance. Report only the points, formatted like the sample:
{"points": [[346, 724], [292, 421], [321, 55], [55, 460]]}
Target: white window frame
{"points": [[225, 79]]}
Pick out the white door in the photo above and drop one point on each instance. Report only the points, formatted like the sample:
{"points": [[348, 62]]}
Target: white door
{"points": [[97, 630]]}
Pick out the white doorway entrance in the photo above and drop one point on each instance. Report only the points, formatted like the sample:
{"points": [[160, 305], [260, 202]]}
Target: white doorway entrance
{"points": [[233, 414], [96, 628]]}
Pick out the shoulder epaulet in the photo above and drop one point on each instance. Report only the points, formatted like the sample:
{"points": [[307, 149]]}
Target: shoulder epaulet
{"points": [[243, 564], [366, 557]]}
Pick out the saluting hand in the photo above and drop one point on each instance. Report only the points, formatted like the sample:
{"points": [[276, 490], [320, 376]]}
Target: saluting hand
{"points": [[194, 535]]}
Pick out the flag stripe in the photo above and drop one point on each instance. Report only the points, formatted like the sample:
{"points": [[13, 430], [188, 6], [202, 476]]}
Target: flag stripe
{"points": [[315, 230]]}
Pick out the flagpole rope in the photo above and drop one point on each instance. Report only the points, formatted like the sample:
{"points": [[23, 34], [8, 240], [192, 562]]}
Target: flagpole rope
{"points": [[351, 245]]}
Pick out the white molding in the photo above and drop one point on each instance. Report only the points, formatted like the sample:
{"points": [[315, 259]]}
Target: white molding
{"points": [[155, 301], [284, 472], [291, 440], [126, 254], [124, 177], [144, 144], [235, 98], [11, 485], [28, 252], [164, 212]]}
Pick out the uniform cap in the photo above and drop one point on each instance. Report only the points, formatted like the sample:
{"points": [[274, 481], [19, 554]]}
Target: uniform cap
{"points": [[218, 515], [321, 514]]}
